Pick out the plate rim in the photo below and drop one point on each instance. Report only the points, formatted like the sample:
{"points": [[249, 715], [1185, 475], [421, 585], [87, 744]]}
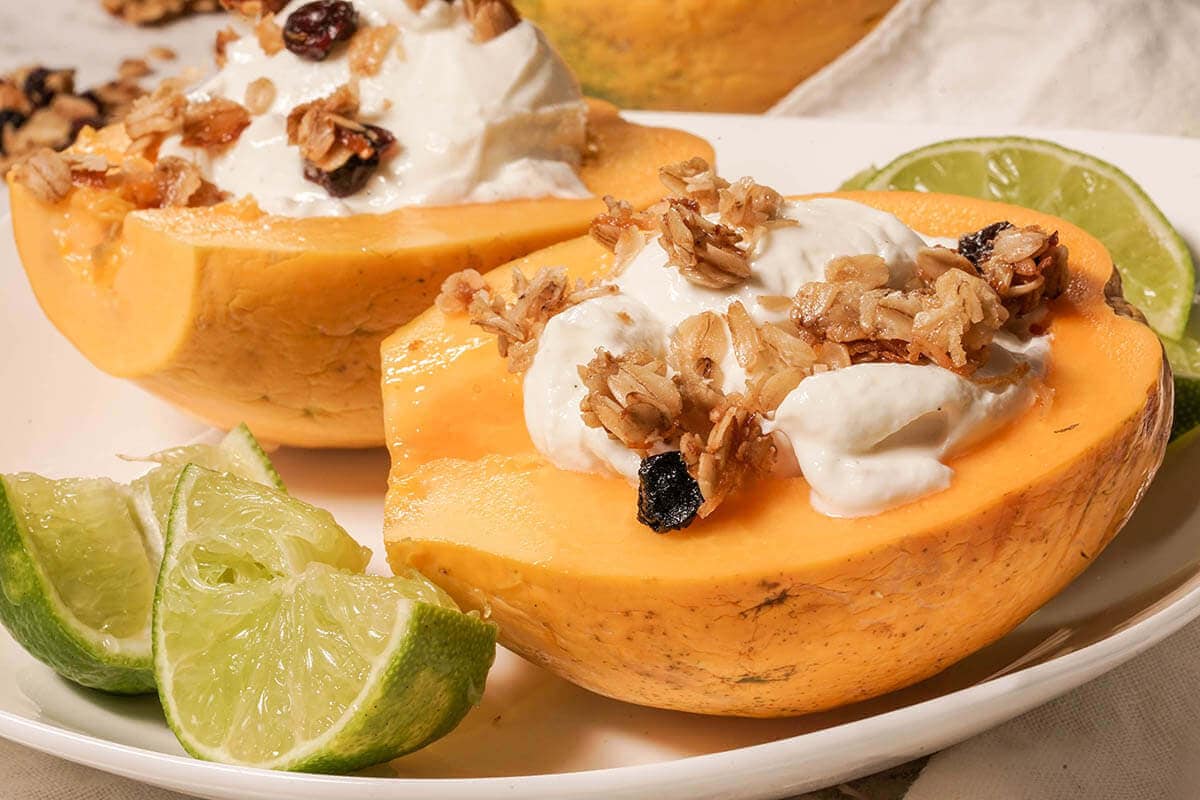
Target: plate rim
{"points": [[1054, 677]]}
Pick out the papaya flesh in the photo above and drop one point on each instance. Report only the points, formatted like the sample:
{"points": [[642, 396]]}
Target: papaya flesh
{"points": [[235, 315], [769, 608]]}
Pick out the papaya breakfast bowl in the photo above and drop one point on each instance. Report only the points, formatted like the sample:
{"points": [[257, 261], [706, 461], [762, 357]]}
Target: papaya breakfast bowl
{"points": [[241, 247], [752, 455]]}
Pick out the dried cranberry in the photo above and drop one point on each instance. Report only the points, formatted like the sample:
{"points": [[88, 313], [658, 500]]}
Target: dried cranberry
{"points": [[352, 176], [668, 496], [41, 85], [977, 246], [314, 28], [9, 118], [83, 122]]}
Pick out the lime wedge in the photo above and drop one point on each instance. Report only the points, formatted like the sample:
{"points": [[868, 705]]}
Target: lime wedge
{"points": [[272, 649], [1153, 260], [78, 559], [239, 452]]}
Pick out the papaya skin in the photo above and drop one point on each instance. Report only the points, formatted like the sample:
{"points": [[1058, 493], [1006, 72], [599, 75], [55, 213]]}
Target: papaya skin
{"points": [[234, 315], [697, 55], [768, 608]]}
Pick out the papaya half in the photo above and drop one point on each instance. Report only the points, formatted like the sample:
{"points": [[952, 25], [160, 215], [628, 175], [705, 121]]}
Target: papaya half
{"points": [[697, 55], [236, 315], [769, 608]]}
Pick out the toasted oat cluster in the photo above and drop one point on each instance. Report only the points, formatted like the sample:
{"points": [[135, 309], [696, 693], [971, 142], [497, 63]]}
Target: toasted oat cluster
{"points": [[713, 254], [516, 323]]}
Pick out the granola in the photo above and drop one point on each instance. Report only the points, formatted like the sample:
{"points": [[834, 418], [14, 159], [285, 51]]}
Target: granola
{"points": [[706, 253], [516, 324], [42, 108], [317, 128], [631, 397], [153, 12], [734, 452]]}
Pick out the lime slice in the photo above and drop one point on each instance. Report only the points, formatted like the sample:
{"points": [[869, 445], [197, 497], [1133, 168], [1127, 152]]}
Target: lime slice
{"points": [[239, 452], [273, 650], [1153, 260], [79, 556]]}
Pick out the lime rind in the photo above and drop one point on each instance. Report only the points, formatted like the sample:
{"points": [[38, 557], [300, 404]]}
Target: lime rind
{"points": [[406, 664], [1154, 261], [32, 612]]}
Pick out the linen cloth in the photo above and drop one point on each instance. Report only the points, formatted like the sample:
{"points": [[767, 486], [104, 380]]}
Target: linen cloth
{"points": [[1104, 64]]}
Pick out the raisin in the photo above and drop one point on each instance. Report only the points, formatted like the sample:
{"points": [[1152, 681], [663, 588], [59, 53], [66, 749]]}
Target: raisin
{"points": [[668, 496], [354, 174], [977, 246], [41, 85], [314, 28]]}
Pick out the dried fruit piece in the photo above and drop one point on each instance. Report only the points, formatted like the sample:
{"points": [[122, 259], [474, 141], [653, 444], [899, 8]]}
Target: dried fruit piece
{"points": [[213, 123], [312, 30], [41, 85], [668, 496], [367, 145], [978, 245]]}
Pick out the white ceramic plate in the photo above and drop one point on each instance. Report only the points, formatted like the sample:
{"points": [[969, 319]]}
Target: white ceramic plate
{"points": [[536, 736]]}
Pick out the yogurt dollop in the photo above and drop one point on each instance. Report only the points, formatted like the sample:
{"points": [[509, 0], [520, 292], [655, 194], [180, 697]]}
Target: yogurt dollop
{"points": [[473, 121], [867, 437]]}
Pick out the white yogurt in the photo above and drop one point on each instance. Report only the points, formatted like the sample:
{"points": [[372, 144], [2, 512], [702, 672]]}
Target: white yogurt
{"points": [[474, 122], [866, 438], [872, 436]]}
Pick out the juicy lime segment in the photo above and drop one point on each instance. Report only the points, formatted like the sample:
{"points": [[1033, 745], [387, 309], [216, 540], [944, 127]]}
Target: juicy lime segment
{"points": [[77, 583], [1153, 260], [239, 452], [79, 560], [272, 649]]}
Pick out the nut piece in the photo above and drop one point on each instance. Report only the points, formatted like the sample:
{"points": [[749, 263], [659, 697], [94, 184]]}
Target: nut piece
{"points": [[225, 37], [491, 18], [369, 47], [260, 96], [270, 35]]}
